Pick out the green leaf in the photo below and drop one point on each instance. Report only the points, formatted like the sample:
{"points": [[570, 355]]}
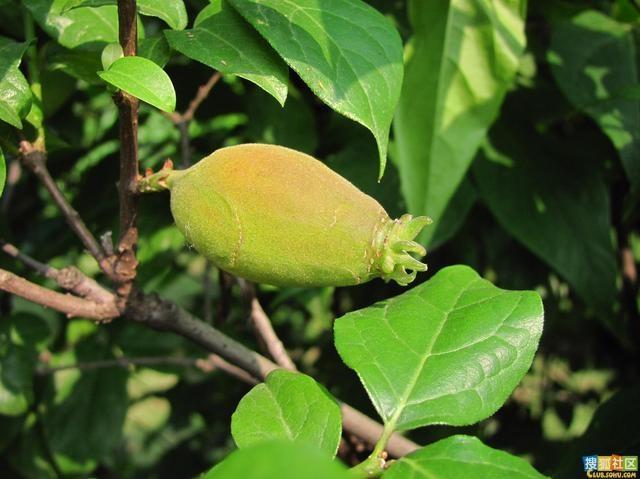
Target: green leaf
{"points": [[347, 52], [288, 406], [155, 48], [16, 378], [464, 55], [594, 61], [449, 351], [614, 427], [172, 12], [461, 457], [15, 94], [78, 27], [3, 171], [222, 40], [143, 79], [87, 411], [278, 460], [555, 202]]}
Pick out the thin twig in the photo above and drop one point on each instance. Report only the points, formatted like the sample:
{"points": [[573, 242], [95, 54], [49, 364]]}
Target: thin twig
{"points": [[68, 304], [44, 369], [69, 278], [126, 263], [40, 268], [264, 328], [35, 160], [213, 362], [263, 325], [203, 93]]}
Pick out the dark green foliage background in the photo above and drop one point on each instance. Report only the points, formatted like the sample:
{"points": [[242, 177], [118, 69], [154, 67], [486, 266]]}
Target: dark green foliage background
{"points": [[580, 396]]}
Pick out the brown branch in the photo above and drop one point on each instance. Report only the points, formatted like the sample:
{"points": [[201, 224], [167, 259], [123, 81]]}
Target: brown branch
{"points": [[70, 305], [203, 93], [166, 316], [35, 160], [213, 362], [263, 325], [41, 268], [264, 328], [126, 263], [70, 278]]}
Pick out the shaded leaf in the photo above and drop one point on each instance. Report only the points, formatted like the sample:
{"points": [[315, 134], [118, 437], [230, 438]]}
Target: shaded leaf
{"points": [[461, 457], [143, 79], [556, 205], [16, 382], [594, 60], [155, 48], [465, 54], [288, 406], [82, 64], [449, 351], [292, 125], [278, 460], [347, 52], [222, 40], [87, 410]]}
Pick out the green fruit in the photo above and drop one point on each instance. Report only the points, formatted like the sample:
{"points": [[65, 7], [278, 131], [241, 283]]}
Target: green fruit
{"points": [[274, 215]]}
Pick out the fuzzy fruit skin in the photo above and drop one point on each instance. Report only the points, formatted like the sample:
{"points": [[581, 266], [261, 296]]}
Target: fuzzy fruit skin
{"points": [[274, 215]]}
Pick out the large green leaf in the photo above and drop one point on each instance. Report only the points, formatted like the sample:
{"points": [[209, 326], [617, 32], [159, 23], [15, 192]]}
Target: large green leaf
{"points": [[87, 410], [278, 460], [448, 351], [173, 12], [347, 52], [80, 26], [16, 378], [15, 95], [143, 79], [222, 40], [461, 457], [464, 55], [555, 202], [288, 406], [594, 60]]}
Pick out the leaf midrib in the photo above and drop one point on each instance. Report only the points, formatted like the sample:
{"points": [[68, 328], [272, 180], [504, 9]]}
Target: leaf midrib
{"points": [[423, 360]]}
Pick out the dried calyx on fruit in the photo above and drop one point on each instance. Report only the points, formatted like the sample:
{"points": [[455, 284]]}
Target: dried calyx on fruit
{"points": [[274, 215]]}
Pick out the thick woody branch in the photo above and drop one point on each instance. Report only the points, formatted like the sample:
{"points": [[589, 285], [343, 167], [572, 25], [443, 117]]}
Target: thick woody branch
{"points": [[70, 305], [165, 316], [126, 263]]}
